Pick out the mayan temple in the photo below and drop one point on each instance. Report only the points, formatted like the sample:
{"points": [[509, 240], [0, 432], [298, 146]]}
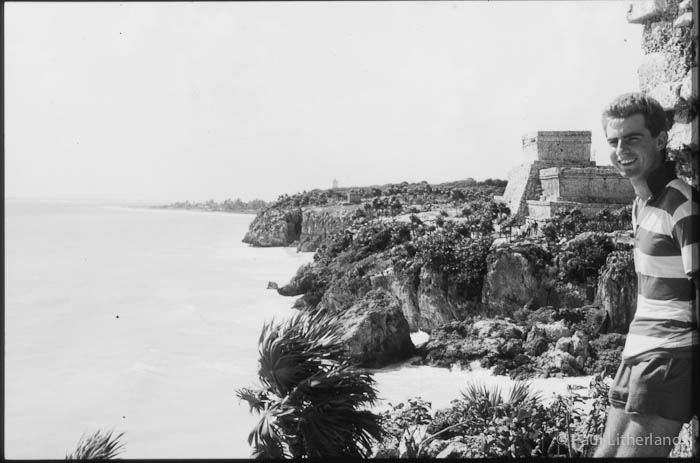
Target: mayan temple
{"points": [[558, 173]]}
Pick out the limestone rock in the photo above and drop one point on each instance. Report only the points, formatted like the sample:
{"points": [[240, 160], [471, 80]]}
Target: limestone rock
{"points": [[512, 281], [375, 331], [667, 94], [274, 227], [674, 44], [536, 342], [302, 282], [576, 345], [685, 5], [554, 331], [687, 90], [684, 20], [644, 11], [272, 285], [318, 223], [617, 291], [564, 344], [652, 71], [496, 329], [435, 304], [682, 134]]}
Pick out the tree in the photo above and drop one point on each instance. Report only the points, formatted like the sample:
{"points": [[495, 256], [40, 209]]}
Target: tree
{"points": [[312, 397]]}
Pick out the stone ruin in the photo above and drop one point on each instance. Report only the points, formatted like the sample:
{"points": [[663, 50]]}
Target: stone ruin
{"points": [[558, 173]]}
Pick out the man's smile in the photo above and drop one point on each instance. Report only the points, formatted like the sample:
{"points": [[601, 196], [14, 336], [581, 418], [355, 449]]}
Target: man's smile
{"points": [[626, 162]]}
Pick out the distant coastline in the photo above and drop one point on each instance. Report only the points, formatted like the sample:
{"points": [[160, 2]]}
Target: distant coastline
{"points": [[233, 206]]}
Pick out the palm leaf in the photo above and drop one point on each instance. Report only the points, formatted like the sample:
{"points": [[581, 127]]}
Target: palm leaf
{"points": [[522, 392], [257, 400], [97, 446], [312, 398]]}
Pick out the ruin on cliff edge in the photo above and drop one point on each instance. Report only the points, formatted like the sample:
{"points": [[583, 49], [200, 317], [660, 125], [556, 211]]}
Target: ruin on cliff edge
{"points": [[558, 173]]}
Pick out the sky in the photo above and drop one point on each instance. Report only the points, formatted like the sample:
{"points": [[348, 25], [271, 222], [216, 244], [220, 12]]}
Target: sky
{"points": [[213, 100]]}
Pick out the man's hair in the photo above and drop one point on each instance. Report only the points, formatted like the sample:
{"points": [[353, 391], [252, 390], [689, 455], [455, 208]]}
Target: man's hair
{"points": [[629, 104]]}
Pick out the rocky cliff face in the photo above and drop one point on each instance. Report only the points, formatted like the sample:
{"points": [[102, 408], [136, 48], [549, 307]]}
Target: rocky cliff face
{"points": [[318, 223], [426, 298], [617, 291], [516, 277], [275, 227], [307, 227], [375, 331]]}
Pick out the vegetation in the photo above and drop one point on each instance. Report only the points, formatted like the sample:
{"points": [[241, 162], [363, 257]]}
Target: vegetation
{"points": [[580, 260], [493, 425], [393, 199], [97, 446], [312, 399], [250, 207], [570, 222]]}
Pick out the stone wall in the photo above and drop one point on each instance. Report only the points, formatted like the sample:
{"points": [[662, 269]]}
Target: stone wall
{"points": [[668, 72], [585, 184], [523, 184], [562, 147], [542, 150]]}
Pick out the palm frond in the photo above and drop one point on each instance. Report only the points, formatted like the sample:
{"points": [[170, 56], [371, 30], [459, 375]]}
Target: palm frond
{"points": [[522, 392], [480, 393], [257, 400], [313, 398], [265, 437], [297, 348], [97, 446]]}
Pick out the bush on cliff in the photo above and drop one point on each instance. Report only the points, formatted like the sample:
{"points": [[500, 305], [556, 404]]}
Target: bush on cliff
{"points": [[581, 259], [313, 401], [462, 258], [570, 222]]}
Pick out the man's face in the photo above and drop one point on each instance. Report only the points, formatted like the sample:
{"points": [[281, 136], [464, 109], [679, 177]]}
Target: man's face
{"points": [[635, 152]]}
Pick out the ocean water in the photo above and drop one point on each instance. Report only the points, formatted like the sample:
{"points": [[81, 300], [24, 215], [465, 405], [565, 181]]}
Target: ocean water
{"points": [[146, 322]]}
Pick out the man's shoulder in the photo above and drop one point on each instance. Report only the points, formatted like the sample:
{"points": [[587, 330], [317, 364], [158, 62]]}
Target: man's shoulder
{"points": [[677, 186], [675, 194]]}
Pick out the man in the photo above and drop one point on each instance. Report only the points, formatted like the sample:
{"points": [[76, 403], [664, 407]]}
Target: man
{"points": [[652, 393]]}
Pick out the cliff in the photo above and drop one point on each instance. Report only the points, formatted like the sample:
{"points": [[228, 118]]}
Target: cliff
{"points": [[390, 268], [275, 227], [304, 227], [308, 219], [432, 278]]}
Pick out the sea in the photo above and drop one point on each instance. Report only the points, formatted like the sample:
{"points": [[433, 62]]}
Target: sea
{"points": [[145, 322]]}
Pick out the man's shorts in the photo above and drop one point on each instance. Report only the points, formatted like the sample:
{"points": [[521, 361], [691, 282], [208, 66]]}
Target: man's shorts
{"points": [[660, 386]]}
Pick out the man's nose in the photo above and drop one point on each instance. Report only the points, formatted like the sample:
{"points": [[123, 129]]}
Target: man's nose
{"points": [[620, 147]]}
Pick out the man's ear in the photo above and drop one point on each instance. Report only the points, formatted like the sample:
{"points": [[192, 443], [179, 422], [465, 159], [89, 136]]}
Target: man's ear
{"points": [[661, 140]]}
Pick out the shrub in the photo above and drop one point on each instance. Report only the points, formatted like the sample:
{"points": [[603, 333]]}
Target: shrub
{"points": [[581, 259], [312, 402]]}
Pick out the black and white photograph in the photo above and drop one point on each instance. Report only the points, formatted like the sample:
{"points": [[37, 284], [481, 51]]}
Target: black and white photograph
{"points": [[359, 229]]}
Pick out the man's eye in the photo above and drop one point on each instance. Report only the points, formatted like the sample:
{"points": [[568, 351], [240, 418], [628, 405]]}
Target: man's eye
{"points": [[612, 143]]}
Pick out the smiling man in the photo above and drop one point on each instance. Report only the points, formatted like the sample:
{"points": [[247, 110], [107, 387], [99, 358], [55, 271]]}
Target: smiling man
{"points": [[652, 394]]}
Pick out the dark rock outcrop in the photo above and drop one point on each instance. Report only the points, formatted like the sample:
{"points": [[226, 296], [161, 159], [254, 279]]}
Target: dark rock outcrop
{"points": [[491, 342], [318, 223], [516, 276], [307, 227], [275, 227], [617, 290], [375, 330]]}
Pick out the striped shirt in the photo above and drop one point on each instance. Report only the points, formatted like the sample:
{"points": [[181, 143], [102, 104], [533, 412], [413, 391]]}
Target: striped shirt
{"points": [[665, 258]]}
